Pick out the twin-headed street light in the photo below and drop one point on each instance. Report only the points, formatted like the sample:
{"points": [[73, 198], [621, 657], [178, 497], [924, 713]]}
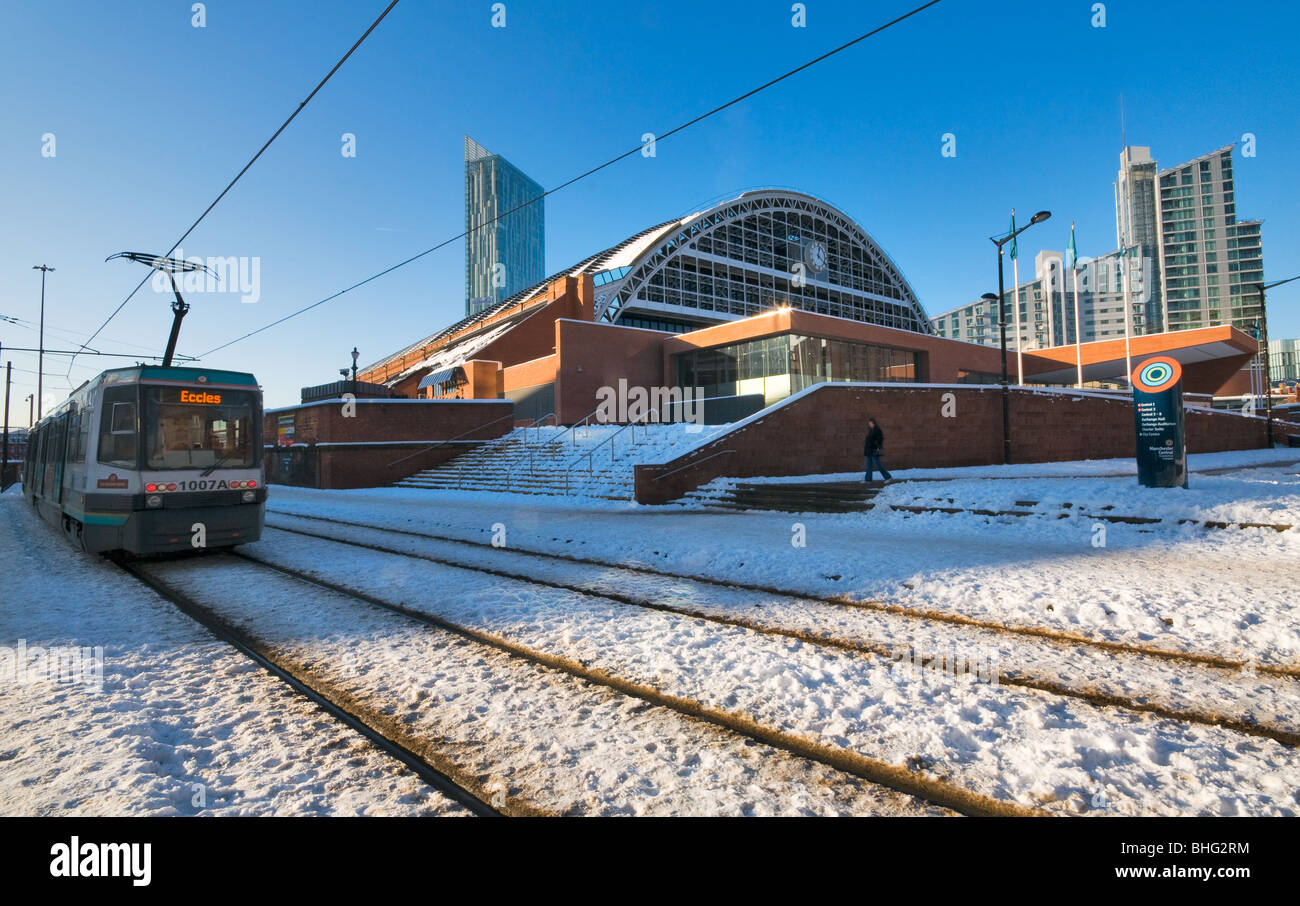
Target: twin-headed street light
{"points": [[1262, 340], [999, 300]]}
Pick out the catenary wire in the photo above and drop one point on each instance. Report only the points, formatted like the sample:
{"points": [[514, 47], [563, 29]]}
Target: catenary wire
{"points": [[231, 184], [569, 182]]}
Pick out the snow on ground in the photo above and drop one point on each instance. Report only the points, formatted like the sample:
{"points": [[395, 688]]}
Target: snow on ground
{"points": [[1196, 462], [177, 707], [1021, 745], [1227, 592], [1264, 495], [1268, 699], [563, 744]]}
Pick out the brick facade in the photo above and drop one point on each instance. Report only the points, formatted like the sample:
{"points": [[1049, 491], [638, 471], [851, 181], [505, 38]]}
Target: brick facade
{"points": [[385, 441], [822, 431]]}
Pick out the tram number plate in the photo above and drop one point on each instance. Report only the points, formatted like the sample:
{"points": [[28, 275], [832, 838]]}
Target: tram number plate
{"points": [[213, 485]]}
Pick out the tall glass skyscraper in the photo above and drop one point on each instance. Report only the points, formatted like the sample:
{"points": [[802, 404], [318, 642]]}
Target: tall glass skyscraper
{"points": [[507, 255]]}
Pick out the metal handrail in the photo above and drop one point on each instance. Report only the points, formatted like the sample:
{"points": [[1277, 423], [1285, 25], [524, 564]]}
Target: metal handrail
{"points": [[591, 454], [535, 424], [440, 443], [693, 464], [573, 427]]}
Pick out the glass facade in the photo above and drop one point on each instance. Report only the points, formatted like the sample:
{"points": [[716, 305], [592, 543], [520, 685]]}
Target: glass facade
{"points": [[762, 251], [1212, 260], [779, 366], [505, 256]]}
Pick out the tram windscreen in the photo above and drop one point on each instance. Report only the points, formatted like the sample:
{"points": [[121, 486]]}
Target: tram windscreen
{"points": [[197, 428]]}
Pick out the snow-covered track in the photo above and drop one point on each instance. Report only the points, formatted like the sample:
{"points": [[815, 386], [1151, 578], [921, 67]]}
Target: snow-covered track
{"points": [[976, 736], [900, 779], [228, 589], [369, 725], [1058, 637], [1142, 680], [1093, 693]]}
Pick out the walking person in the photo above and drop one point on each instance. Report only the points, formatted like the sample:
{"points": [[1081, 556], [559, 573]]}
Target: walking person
{"points": [[872, 449]]}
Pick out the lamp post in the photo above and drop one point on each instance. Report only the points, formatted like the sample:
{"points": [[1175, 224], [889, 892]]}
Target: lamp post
{"points": [[30, 422], [1268, 377], [40, 359], [4, 444], [354, 364], [1000, 241]]}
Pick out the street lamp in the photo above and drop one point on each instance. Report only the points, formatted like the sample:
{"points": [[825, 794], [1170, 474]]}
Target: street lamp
{"points": [[354, 364], [40, 359], [1268, 376], [30, 398], [1000, 241]]}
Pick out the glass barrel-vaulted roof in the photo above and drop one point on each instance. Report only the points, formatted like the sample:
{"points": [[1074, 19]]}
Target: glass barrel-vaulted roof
{"points": [[765, 249], [762, 250], [735, 259]]}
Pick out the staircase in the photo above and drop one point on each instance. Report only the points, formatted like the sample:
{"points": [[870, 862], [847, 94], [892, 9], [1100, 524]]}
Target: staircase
{"points": [[593, 461], [803, 497]]}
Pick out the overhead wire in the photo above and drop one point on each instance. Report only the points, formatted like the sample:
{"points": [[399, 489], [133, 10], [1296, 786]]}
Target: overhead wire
{"points": [[593, 170]]}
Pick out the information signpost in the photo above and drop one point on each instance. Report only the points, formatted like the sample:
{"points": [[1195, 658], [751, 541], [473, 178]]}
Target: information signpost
{"points": [[1158, 418]]}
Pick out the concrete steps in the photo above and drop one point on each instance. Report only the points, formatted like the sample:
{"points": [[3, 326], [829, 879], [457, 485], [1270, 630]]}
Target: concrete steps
{"points": [[803, 497], [552, 461]]}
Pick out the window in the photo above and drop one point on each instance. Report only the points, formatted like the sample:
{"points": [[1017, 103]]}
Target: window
{"points": [[78, 425], [118, 428], [200, 429]]}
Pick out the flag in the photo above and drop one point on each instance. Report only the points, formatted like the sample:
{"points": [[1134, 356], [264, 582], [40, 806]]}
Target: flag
{"points": [[1012, 230], [1072, 252]]}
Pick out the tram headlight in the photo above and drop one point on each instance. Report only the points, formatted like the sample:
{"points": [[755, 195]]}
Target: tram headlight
{"points": [[249, 496], [153, 500]]}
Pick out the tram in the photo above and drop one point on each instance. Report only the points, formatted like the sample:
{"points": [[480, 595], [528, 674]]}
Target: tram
{"points": [[152, 459]]}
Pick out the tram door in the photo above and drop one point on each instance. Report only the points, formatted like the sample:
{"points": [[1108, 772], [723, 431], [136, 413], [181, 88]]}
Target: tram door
{"points": [[59, 455]]}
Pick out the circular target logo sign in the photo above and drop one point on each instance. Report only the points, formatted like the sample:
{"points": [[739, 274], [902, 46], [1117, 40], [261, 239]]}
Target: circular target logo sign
{"points": [[1157, 375]]}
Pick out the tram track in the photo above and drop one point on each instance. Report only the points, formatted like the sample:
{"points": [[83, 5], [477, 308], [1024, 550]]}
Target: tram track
{"points": [[899, 779], [1056, 637], [865, 647], [436, 771], [388, 732]]}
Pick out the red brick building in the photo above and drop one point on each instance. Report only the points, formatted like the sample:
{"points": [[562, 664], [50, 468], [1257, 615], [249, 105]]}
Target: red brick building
{"points": [[745, 303]]}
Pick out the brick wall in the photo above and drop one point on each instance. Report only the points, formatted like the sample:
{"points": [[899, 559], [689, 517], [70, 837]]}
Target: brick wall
{"points": [[375, 446], [593, 355], [823, 431]]}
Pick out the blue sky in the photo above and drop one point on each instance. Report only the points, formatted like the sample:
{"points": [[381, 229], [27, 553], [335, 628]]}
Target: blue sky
{"points": [[152, 117]]}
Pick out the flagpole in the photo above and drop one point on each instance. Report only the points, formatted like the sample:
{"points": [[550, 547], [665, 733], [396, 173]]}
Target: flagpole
{"points": [[1015, 303], [1128, 355]]}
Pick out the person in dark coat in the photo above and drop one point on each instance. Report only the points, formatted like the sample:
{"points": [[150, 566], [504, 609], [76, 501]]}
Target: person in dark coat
{"points": [[874, 446]]}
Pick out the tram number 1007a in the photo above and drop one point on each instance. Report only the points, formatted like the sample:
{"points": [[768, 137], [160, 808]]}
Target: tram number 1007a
{"points": [[138, 457]]}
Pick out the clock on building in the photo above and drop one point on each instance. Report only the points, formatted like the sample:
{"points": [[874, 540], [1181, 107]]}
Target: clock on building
{"points": [[814, 255]]}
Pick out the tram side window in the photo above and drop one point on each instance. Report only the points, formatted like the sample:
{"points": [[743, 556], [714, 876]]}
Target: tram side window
{"points": [[76, 435], [118, 437]]}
